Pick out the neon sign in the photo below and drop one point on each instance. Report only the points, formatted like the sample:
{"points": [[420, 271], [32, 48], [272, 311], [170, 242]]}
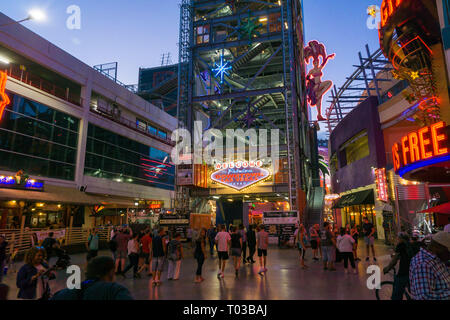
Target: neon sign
{"points": [[382, 191], [388, 7], [240, 174], [426, 146], [4, 99]]}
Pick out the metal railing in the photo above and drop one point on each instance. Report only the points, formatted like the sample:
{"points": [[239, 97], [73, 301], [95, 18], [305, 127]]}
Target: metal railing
{"points": [[33, 80], [22, 240]]}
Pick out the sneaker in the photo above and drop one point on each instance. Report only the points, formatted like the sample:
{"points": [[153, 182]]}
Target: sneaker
{"points": [[236, 273], [218, 274], [374, 259], [367, 259], [317, 259], [169, 278], [154, 283], [357, 259], [260, 272]]}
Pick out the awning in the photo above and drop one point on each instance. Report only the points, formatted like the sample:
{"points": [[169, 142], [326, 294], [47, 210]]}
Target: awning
{"points": [[356, 198], [442, 208]]}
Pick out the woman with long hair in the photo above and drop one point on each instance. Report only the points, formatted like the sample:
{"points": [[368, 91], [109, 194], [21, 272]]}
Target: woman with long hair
{"points": [[302, 240], [31, 276], [315, 87], [200, 254]]}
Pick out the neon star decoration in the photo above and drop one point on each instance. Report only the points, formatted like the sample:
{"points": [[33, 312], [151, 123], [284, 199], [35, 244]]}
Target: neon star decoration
{"points": [[221, 69], [249, 28], [414, 74], [4, 99]]}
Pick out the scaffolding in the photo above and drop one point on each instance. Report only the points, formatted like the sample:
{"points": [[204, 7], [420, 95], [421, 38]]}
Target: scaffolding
{"points": [[241, 64], [363, 83]]}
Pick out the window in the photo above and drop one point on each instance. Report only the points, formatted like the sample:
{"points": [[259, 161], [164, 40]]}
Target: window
{"points": [[38, 139], [141, 124], [202, 34], [111, 156], [162, 134], [354, 149]]}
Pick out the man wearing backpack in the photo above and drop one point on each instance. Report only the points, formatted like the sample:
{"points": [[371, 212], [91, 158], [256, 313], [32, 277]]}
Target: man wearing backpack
{"points": [[99, 284]]}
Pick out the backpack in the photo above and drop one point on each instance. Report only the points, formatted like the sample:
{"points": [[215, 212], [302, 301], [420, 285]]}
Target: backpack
{"points": [[173, 250]]}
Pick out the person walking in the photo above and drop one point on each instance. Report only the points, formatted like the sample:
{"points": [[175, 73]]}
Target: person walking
{"points": [[327, 243], [48, 245], [243, 234], [3, 246], [345, 245], [133, 256], [236, 249], [369, 238], [122, 239], [31, 278], [262, 242], [314, 237], [146, 244], [251, 243], [355, 235], [223, 240], [92, 245], [429, 275], [175, 254], [211, 235], [159, 250], [301, 241], [200, 254]]}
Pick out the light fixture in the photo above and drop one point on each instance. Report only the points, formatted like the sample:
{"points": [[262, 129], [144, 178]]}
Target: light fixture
{"points": [[40, 204], [4, 60], [216, 197], [37, 14], [231, 200], [262, 19], [136, 204], [247, 196]]}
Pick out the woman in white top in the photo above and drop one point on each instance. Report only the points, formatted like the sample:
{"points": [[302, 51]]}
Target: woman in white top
{"points": [[345, 243], [133, 256]]}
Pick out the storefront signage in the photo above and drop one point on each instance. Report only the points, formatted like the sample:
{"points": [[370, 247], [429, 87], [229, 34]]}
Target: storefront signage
{"points": [[426, 146], [381, 182], [239, 174], [10, 182], [388, 7], [4, 99], [57, 234]]}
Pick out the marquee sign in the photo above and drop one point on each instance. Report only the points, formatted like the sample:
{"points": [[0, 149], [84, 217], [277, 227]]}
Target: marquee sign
{"points": [[381, 182], [240, 174], [388, 7], [426, 146], [4, 99], [11, 182]]}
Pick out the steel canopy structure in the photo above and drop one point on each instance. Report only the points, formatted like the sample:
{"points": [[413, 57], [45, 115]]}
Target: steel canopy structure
{"points": [[241, 66]]}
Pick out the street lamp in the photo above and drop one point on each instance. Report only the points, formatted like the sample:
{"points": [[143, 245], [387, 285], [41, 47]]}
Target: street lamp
{"points": [[34, 14]]}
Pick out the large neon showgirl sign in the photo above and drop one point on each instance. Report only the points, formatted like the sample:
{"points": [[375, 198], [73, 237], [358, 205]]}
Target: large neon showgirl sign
{"points": [[4, 99]]}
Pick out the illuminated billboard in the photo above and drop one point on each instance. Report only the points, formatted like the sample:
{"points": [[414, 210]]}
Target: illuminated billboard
{"points": [[240, 174]]}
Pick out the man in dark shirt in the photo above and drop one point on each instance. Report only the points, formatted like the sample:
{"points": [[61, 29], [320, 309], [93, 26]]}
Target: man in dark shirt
{"points": [[251, 243], [99, 284], [404, 254], [212, 232], [48, 245], [369, 238], [328, 245], [158, 256]]}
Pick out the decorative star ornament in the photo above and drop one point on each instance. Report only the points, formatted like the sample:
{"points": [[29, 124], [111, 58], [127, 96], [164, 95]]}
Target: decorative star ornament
{"points": [[414, 75], [249, 28], [372, 11], [221, 69], [4, 99]]}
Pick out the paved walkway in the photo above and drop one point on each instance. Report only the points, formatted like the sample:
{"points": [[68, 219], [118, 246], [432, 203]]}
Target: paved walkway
{"points": [[285, 280]]}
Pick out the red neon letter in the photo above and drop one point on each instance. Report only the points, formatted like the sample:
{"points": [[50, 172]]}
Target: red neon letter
{"points": [[413, 148], [436, 138], [405, 149], [4, 99], [423, 144], [395, 157]]}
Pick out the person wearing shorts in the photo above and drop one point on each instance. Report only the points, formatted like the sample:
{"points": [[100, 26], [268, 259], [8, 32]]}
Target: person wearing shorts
{"points": [[327, 243], [236, 248], [158, 256], [262, 243], [223, 240], [369, 238]]}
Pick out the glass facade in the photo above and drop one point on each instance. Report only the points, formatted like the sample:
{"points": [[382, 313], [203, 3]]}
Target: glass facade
{"points": [[354, 215], [38, 139], [111, 156]]}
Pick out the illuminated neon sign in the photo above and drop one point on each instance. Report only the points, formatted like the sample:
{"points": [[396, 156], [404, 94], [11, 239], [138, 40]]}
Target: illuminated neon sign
{"points": [[381, 182], [30, 184], [4, 99], [388, 7], [240, 174], [426, 146]]}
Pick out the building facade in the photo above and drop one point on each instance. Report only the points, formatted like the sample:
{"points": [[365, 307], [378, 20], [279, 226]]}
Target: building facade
{"points": [[91, 147]]}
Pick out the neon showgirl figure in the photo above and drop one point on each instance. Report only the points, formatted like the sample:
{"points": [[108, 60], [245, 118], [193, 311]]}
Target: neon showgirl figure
{"points": [[315, 87]]}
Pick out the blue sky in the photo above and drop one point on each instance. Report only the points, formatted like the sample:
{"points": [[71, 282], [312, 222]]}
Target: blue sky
{"points": [[136, 33]]}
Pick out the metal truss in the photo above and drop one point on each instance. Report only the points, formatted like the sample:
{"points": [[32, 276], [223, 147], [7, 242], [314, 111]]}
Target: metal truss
{"points": [[361, 84]]}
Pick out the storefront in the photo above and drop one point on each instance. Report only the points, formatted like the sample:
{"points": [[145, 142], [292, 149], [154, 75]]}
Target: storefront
{"points": [[354, 207]]}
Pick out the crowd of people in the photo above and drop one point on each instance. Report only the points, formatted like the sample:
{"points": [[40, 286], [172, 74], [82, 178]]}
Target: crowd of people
{"points": [[423, 269]]}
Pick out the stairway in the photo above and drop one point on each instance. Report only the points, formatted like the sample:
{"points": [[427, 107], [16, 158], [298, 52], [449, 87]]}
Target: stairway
{"points": [[249, 55], [315, 207]]}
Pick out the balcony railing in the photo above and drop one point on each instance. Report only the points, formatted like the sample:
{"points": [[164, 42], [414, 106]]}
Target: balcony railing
{"points": [[33, 80], [128, 123]]}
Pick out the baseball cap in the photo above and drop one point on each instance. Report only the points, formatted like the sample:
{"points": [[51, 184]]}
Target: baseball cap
{"points": [[443, 238]]}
